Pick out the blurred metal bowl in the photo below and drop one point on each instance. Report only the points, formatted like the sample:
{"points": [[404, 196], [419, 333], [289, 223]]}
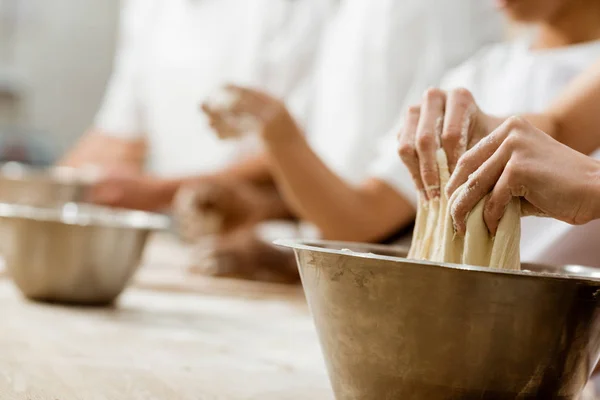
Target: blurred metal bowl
{"points": [[21, 184], [392, 328], [75, 253]]}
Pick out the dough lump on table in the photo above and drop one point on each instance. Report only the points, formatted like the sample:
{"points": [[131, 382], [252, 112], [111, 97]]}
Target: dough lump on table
{"points": [[434, 238]]}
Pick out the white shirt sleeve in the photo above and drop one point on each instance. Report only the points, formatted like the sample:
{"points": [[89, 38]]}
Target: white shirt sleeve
{"points": [[473, 24], [290, 49], [120, 112]]}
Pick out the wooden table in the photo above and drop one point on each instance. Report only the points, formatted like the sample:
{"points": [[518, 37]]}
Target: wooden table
{"points": [[160, 344]]}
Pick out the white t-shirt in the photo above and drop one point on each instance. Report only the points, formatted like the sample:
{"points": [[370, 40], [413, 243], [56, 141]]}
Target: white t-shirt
{"points": [[508, 79], [373, 53], [173, 54]]}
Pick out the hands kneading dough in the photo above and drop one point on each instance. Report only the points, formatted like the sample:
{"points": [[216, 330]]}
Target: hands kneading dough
{"points": [[434, 137], [220, 206], [435, 237], [518, 161]]}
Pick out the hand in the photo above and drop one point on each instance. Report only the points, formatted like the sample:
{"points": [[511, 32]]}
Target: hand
{"points": [[449, 120], [126, 189], [268, 115], [243, 255], [238, 204], [519, 160]]}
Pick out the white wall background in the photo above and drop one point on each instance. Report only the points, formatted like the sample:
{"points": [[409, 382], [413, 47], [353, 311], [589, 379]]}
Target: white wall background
{"points": [[61, 52]]}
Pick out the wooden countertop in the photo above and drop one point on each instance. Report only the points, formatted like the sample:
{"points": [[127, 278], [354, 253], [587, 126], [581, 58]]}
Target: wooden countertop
{"points": [[163, 344]]}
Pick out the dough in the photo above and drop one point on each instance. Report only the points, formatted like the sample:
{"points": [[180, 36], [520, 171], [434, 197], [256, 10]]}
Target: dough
{"points": [[434, 238], [241, 125]]}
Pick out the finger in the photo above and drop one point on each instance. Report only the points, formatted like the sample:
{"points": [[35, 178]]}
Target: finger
{"points": [[428, 139], [205, 107], [406, 146], [258, 104], [496, 204], [528, 209], [458, 116], [479, 184], [214, 116], [223, 128], [475, 157]]}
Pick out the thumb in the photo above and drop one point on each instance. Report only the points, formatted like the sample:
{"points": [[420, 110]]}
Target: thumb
{"points": [[528, 210]]}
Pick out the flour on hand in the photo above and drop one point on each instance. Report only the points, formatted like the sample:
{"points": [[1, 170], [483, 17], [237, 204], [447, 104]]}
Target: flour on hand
{"points": [[434, 237]]}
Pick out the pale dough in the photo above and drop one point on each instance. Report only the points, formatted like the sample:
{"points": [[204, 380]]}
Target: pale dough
{"points": [[434, 238]]}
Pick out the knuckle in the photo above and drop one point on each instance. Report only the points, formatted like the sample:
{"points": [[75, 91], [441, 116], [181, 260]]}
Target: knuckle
{"points": [[430, 175], [462, 96], [464, 161], [515, 122], [433, 94], [513, 140], [452, 133], [407, 151], [513, 173], [413, 111], [425, 141]]}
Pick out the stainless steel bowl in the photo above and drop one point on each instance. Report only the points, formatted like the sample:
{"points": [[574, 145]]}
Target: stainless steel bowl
{"points": [[392, 328], [20, 184], [74, 253]]}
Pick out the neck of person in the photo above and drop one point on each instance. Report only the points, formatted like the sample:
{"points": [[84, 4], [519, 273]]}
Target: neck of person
{"points": [[575, 24]]}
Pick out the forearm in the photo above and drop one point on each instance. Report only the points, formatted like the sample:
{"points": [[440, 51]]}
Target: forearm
{"points": [[254, 169], [340, 210], [573, 117]]}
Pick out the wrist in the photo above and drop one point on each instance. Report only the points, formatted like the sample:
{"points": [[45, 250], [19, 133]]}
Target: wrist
{"points": [[282, 133]]}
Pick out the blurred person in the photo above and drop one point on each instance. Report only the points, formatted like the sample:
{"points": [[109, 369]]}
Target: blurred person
{"points": [[507, 78], [372, 55], [148, 136]]}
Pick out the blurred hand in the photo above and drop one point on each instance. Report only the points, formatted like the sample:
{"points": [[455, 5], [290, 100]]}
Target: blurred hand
{"points": [[242, 255], [127, 189], [239, 204], [270, 115], [519, 160], [448, 120]]}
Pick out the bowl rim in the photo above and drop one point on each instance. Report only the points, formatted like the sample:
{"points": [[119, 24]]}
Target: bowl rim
{"points": [[83, 214], [569, 272], [54, 175]]}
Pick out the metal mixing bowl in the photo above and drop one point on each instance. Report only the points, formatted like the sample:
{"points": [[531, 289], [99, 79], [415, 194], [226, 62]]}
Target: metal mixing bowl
{"points": [[21, 184], [74, 253], [392, 328]]}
